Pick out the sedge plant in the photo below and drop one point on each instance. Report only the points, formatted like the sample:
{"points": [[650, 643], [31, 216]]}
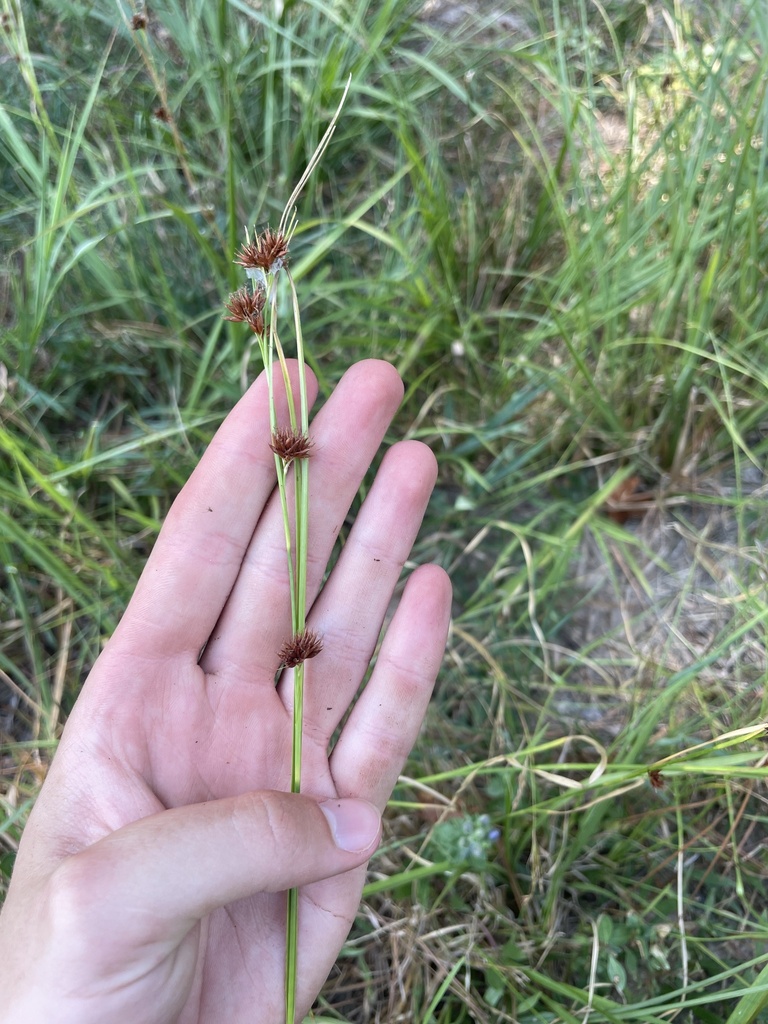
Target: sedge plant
{"points": [[264, 258]]}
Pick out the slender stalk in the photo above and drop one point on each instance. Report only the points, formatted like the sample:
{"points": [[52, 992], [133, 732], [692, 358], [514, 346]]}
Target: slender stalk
{"points": [[301, 520], [291, 951], [292, 907], [263, 258], [291, 550], [302, 468], [313, 162]]}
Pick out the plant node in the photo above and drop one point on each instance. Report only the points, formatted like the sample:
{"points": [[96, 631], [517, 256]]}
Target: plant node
{"points": [[290, 444], [268, 252], [247, 307], [302, 646]]}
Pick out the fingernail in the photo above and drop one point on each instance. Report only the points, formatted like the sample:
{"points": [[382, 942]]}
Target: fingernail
{"points": [[354, 823]]}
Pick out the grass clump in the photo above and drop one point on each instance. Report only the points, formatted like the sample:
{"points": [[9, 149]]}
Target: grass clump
{"points": [[552, 221]]}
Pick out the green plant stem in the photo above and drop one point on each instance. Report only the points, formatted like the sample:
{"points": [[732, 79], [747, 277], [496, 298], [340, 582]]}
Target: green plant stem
{"points": [[299, 607], [291, 948], [302, 468], [275, 350], [296, 542]]}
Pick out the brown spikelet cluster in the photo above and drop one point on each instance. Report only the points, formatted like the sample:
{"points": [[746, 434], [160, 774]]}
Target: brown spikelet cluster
{"points": [[268, 251], [290, 444], [302, 646], [656, 779], [138, 21], [247, 307]]}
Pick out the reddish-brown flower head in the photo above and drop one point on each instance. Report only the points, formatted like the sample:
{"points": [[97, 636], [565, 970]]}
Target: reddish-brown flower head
{"points": [[290, 444], [247, 307], [268, 252], [139, 21], [302, 646]]}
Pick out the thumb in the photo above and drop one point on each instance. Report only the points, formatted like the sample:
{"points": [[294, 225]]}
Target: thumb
{"points": [[183, 863]]}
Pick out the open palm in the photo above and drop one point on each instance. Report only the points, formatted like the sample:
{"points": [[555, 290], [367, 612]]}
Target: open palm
{"points": [[149, 884]]}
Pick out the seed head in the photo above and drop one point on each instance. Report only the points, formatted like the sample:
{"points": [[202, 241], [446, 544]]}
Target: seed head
{"points": [[302, 646], [139, 21], [268, 252], [290, 444], [656, 779], [247, 307]]}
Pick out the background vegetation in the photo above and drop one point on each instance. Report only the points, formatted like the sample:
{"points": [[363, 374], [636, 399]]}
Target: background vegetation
{"points": [[552, 219]]}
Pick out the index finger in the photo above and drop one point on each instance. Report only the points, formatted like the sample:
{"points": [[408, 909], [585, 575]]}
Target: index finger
{"points": [[198, 553]]}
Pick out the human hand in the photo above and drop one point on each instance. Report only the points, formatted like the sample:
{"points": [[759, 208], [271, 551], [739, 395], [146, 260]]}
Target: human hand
{"points": [[149, 885]]}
